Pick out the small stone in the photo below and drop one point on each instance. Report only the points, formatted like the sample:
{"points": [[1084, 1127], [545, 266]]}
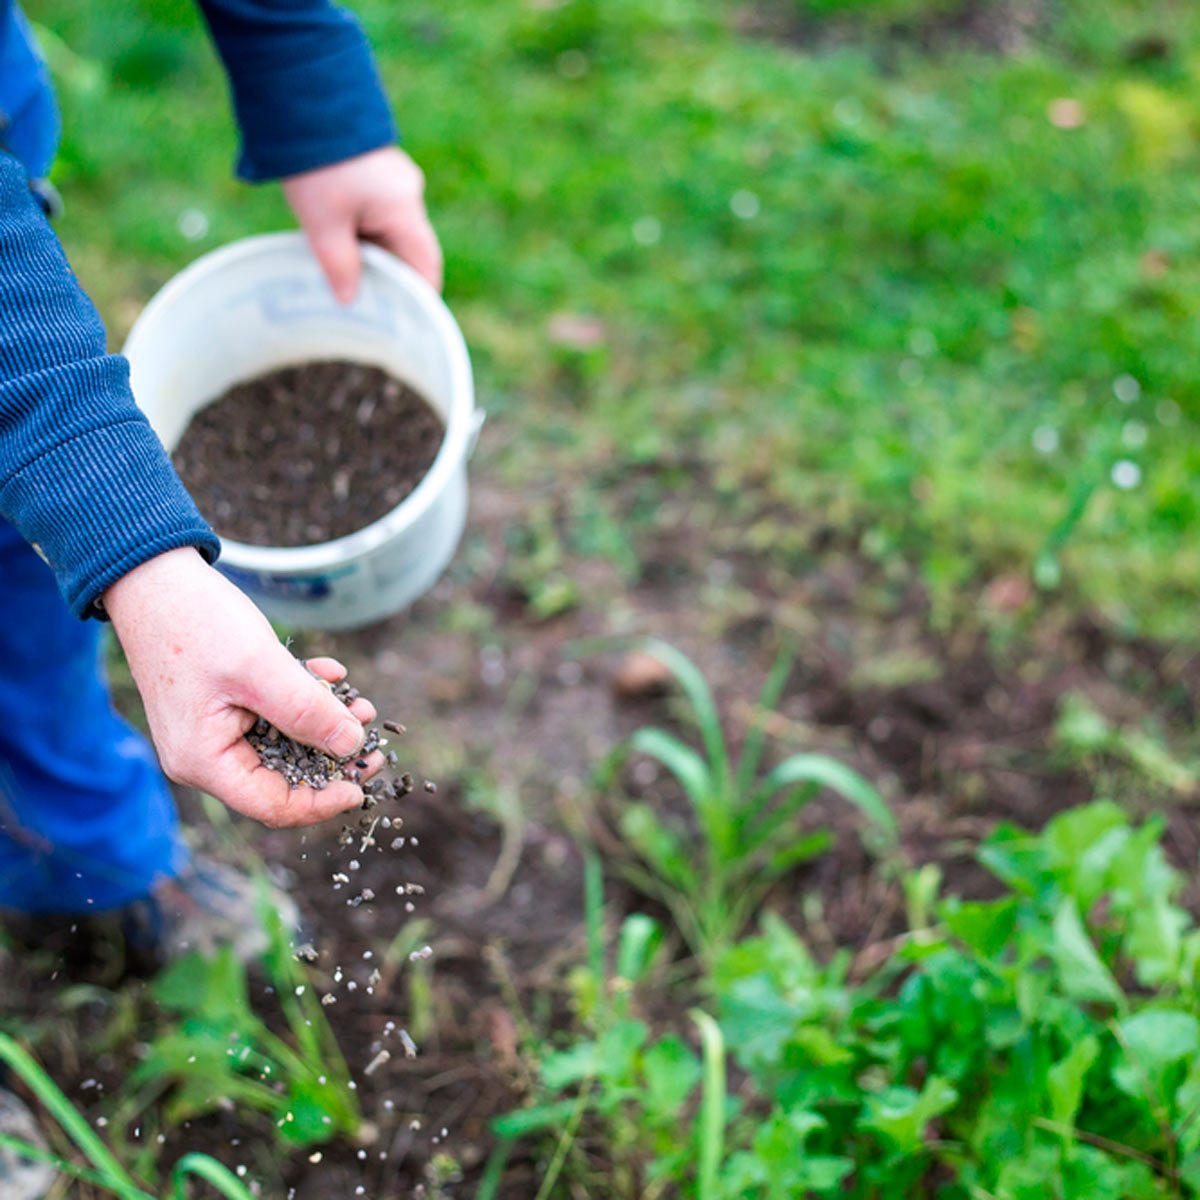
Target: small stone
{"points": [[641, 676]]}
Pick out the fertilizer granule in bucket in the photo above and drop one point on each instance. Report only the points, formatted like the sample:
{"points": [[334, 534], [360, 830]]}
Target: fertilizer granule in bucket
{"points": [[307, 453]]}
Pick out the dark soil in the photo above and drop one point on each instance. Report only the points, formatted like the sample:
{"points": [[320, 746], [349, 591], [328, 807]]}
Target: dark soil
{"points": [[953, 721], [307, 453], [485, 933]]}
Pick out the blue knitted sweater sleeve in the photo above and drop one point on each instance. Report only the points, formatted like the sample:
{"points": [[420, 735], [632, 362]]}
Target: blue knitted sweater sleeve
{"points": [[82, 475], [303, 81]]}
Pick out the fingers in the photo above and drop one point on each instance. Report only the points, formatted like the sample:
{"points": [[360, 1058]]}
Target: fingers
{"points": [[375, 764], [332, 671], [336, 248], [239, 778], [326, 668], [306, 806], [416, 242], [298, 705]]}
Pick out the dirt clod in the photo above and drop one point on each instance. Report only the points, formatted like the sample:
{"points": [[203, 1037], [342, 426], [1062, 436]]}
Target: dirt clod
{"points": [[641, 676]]}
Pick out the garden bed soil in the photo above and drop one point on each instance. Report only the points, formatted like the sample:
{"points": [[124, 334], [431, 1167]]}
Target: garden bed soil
{"points": [[307, 453], [956, 726]]}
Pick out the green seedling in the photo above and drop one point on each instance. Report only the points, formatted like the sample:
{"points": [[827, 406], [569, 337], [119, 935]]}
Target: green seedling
{"points": [[614, 1075], [217, 1051], [746, 834], [1044, 1043]]}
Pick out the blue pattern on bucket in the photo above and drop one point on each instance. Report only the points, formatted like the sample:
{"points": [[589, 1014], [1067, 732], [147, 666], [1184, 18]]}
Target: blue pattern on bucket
{"points": [[286, 587], [299, 298]]}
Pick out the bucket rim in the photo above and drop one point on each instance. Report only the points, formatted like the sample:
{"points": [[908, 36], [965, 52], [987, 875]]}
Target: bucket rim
{"points": [[461, 416]]}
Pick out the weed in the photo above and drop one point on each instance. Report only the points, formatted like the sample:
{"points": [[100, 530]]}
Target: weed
{"points": [[747, 835], [615, 1080], [1043, 1043]]}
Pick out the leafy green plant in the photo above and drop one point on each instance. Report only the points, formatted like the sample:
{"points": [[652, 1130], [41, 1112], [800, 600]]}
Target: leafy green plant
{"points": [[746, 822], [1044, 1043], [106, 1171], [218, 1051]]}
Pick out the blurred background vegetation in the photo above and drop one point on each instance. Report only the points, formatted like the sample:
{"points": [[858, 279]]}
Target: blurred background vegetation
{"points": [[922, 272]]}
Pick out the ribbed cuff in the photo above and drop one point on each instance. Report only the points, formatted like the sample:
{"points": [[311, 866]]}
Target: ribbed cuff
{"points": [[101, 503]]}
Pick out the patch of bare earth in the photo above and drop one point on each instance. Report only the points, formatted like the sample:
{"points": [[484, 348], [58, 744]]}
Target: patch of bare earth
{"points": [[511, 715]]}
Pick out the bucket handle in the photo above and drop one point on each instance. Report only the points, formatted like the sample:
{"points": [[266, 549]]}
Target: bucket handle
{"points": [[478, 417]]}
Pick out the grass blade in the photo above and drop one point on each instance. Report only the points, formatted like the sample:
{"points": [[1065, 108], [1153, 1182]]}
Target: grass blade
{"points": [[593, 908], [712, 1105], [837, 777], [25, 1149], [700, 697], [767, 825], [756, 738], [64, 1112], [215, 1174], [803, 849], [493, 1173], [706, 787], [662, 847], [682, 761], [565, 1142]]}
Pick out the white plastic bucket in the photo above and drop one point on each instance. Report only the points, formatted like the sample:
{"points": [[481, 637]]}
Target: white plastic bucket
{"points": [[263, 303]]}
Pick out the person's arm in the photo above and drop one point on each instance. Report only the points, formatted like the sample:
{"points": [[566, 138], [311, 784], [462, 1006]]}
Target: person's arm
{"points": [[312, 112], [82, 475], [84, 478], [303, 81]]}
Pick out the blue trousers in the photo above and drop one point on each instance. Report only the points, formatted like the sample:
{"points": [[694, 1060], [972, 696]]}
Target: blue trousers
{"points": [[87, 822], [28, 114]]}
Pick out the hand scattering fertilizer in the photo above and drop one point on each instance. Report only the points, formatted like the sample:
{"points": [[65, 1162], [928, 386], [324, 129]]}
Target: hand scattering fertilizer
{"points": [[303, 765]]}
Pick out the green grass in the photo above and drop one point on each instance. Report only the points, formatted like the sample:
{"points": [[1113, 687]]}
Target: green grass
{"points": [[924, 273], [106, 1171]]}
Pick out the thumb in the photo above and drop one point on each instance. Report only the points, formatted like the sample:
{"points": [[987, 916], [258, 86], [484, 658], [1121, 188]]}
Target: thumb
{"points": [[336, 248], [304, 708]]}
